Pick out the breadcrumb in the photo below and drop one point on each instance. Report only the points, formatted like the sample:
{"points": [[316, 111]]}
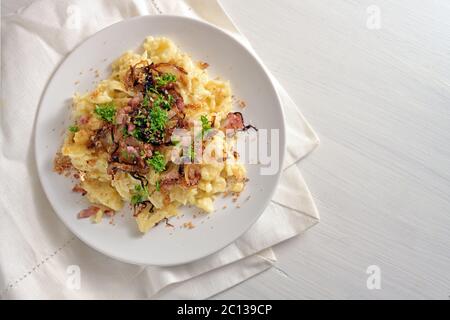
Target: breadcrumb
{"points": [[203, 65], [62, 164], [188, 225]]}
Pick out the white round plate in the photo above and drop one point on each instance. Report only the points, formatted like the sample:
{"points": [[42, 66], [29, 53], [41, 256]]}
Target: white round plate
{"points": [[162, 245]]}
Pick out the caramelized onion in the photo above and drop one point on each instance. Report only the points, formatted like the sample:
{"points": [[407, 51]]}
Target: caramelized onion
{"points": [[165, 67]]}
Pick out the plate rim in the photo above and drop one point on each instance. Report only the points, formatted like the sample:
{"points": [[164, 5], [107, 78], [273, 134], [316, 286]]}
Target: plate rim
{"points": [[282, 148]]}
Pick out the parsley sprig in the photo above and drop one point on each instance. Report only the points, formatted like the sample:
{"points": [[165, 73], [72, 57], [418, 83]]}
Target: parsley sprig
{"points": [[161, 101], [157, 161], [73, 128], [106, 111], [165, 79], [206, 125], [150, 124], [191, 153], [145, 101], [152, 118], [140, 194], [158, 119]]}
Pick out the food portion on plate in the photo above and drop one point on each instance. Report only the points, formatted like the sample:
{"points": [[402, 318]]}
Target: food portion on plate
{"points": [[157, 134]]}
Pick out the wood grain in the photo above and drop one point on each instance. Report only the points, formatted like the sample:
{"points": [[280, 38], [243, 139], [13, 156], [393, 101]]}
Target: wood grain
{"points": [[380, 101]]}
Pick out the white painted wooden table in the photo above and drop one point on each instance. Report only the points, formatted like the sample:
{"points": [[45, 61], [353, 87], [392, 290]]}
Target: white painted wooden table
{"points": [[380, 100]]}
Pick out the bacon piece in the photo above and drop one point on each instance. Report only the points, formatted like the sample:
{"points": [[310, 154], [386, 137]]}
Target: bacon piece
{"points": [[183, 124], [135, 101], [86, 213], [83, 119], [167, 87], [147, 149], [132, 141], [79, 189], [132, 151], [102, 139], [171, 176], [234, 120], [122, 115], [179, 102], [118, 132], [192, 174], [125, 154], [109, 212]]}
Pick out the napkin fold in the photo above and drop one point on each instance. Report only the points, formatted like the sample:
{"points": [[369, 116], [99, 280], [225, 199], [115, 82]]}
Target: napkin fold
{"points": [[39, 257]]}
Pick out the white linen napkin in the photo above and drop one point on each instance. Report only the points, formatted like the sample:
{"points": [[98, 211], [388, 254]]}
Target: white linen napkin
{"points": [[39, 257]]}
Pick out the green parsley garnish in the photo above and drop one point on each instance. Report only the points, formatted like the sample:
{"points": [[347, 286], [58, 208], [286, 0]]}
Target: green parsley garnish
{"points": [[125, 132], [158, 185], [137, 133], [152, 90], [206, 126], [165, 79], [140, 194], [157, 161], [140, 120], [106, 111], [145, 101], [160, 101], [158, 119], [191, 153], [170, 99], [73, 129]]}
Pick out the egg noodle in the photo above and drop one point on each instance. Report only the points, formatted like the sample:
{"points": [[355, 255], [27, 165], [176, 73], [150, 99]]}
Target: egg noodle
{"points": [[122, 143]]}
